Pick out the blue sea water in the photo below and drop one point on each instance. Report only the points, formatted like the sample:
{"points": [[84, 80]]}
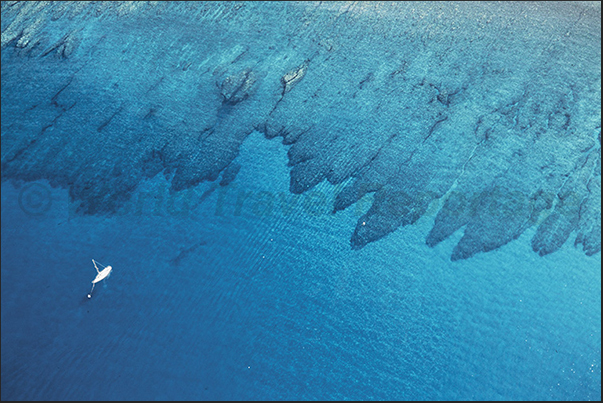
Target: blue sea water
{"points": [[220, 296]]}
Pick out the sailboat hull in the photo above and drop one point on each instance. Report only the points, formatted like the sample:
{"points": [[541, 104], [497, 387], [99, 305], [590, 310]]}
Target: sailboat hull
{"points": [[102, 274]]}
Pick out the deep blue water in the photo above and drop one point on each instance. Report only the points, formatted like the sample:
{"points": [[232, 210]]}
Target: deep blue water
{"points": [[270, 305]]}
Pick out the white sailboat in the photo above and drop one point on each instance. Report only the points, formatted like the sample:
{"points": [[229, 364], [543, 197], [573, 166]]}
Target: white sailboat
{"points": [[101, 274]]}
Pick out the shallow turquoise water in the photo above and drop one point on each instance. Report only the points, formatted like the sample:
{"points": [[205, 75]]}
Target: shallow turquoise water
{"points": [[222, 300]]}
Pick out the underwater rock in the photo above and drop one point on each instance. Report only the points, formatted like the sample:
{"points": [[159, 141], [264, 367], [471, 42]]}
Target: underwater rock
{"points": [[65, 46], [230, 173], [237, 88], [291, 78]]}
